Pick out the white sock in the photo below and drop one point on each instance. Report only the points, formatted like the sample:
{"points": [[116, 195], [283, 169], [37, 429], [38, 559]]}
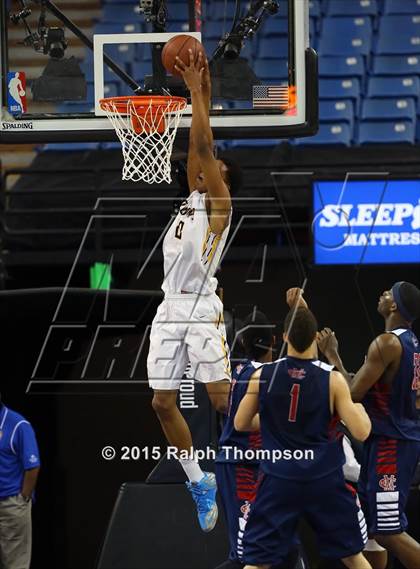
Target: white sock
{"points": [[192, 469]]}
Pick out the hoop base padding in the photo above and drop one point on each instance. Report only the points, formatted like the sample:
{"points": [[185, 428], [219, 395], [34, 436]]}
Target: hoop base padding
{"points": [[146, 127]]}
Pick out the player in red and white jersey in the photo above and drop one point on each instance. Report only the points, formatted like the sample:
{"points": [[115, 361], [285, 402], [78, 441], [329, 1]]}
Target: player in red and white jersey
{"points": [[388, 384]]}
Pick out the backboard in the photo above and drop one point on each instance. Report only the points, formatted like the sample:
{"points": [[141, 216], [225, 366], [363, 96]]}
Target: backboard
{"points": [[264, 75]]}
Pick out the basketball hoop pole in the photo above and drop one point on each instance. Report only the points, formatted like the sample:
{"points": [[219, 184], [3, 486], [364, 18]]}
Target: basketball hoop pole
{"points": [[159, 26], [194, 15]]}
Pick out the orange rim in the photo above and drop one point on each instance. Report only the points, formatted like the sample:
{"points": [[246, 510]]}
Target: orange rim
{"points": [[144, 103]]}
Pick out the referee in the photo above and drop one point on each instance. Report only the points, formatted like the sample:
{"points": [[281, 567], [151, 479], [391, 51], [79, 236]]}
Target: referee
{"points": [[19, 468]]}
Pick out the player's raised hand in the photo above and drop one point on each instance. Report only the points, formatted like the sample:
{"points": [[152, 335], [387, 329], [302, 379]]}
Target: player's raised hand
{"points": [[193, 72], [327, 341], [294, 295]]}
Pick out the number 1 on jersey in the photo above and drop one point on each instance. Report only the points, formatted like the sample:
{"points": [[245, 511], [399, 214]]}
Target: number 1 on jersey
{"points": [[178, 230], [294, 394]]}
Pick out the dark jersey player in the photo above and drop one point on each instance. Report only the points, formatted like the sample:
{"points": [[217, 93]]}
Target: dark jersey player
{"points": [[237, 463], [388, 384], [237, 476], [296, 398]]}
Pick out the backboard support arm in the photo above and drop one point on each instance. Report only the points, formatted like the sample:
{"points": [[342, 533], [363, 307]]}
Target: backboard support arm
{"points": [[122, 74]]}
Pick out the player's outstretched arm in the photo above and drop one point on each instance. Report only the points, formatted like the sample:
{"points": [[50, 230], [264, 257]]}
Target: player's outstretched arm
{"points": [[247, 417], [218, 192], [193, 163], [295, 296], [328, 344], [383, 351], [352, 414]]}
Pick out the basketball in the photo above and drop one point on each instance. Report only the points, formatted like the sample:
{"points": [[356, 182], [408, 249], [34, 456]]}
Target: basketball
{"points": [[179, 46]]}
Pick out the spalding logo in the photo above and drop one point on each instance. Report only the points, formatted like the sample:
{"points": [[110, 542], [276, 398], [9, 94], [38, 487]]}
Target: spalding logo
{"points": [[17, 125]]}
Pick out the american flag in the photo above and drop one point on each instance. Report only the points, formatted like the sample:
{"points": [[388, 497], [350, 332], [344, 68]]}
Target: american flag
{"points": [[270, 96]]}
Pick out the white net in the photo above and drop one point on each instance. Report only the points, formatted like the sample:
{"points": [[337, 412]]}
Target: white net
{"points": [[146, 127]]}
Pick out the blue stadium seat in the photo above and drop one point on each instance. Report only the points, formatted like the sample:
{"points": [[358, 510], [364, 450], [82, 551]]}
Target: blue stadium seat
{"points": [[338, 134], [399, 34], [212, 30], [140, 69], [177, 12], [218, 105], [312, 29], [118, 28], [110, 90], [396, 44], [406, 25], [71, 146], [396, 65], [337, 111], [371, 132], [347, 25], [110, 76], [352, 8], [88, 58], [341, 66], [407, 86], [283, 9], [177, 26], [121, 12], [240, 105], [273, 48], [254, 143], [385, 109], [278, 81], [210, 46], [87, 68], [221, 10], [275, 27], [143, 52], [121, 53], [401, 23], [74, 107], [401, 7], [271, 68], [345, 36], [248, 49], [339, 89], [418, 132], [314, 9]]}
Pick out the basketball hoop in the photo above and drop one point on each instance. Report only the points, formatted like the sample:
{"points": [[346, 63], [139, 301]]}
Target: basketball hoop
{"points": [[146, 126]]}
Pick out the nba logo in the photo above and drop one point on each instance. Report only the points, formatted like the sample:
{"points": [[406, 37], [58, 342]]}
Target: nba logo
{"points": [[16, 92]]}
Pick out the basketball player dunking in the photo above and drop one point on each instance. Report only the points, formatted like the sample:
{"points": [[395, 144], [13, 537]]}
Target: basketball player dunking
{"points": [[188, 326], [388, 384]]}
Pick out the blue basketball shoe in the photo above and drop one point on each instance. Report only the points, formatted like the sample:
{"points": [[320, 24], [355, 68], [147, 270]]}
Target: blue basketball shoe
{"points": [[204, 495]]}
